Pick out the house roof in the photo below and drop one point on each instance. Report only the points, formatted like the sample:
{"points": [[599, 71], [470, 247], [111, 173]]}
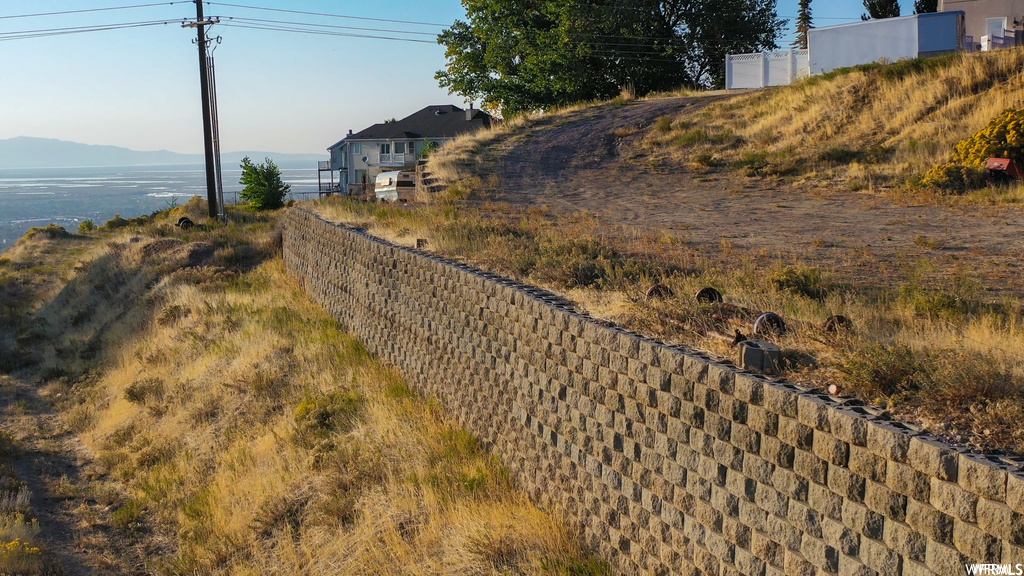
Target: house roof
{"points": [[445, 121]]}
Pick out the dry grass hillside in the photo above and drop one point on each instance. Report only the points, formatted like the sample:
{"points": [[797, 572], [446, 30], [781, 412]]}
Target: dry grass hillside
{"points": [[191, 411], [804, 200], [868, 127]]}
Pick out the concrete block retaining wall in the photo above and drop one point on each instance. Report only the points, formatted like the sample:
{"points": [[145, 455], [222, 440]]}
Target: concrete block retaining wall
{"points": [[667, 461]]}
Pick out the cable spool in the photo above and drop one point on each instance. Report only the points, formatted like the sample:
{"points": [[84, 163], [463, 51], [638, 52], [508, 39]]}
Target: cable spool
{"points": [[769, 323], [708, 295], [837, 323], [659, 291]]}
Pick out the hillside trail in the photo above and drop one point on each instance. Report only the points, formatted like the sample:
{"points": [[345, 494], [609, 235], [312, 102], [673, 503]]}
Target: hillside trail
{"points": [[591, 162], [67, 495], [73, 498]]}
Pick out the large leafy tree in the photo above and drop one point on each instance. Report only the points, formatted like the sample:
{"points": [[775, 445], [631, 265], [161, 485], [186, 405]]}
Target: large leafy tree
{"points": [[803, 24], [264, 189], [521, 55], [881, 9], [926, 6]]}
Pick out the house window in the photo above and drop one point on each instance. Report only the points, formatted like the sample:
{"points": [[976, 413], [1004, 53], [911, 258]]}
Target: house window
{"points": [[399, 147], [385, 148], [357, 149]]}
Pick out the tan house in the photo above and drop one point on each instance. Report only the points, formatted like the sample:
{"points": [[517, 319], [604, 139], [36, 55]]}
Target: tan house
{"points": [[998, 18]]}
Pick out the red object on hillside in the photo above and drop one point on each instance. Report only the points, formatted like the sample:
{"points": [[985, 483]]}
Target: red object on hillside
{"points": [[1005, 166]]}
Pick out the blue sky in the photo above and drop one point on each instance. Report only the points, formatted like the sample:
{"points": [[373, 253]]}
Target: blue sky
{"points": [[277, 91]]}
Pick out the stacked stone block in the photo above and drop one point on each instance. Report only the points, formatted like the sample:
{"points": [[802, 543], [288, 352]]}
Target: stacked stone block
{"points": [[667, 461]]}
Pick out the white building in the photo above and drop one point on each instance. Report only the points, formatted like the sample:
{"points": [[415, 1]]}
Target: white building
{"points": [[885, 39], [360, 156]]}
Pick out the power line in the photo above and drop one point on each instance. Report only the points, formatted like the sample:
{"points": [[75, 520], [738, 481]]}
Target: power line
{"points": [[42, 33], [323, 32], [327, 14], [303, 27], [605, 53], [257, 20], [94, 10]]}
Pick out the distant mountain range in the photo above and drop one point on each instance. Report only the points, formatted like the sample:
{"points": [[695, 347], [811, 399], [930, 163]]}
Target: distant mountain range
{"points": [[27, 152]]}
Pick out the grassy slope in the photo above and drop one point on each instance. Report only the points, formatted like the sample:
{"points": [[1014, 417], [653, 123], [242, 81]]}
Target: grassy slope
{"points": [[233, 428], [872, 126], [931, 347]]}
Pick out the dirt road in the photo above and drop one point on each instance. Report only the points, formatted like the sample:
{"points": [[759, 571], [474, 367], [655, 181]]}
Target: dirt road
{"points": [[592, 162]]}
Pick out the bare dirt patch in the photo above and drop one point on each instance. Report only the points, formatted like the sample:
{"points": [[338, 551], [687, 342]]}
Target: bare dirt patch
{"points": [[592, 162]]}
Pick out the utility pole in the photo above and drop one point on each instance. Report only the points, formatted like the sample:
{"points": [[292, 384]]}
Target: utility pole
{"points": [[204, 87]]}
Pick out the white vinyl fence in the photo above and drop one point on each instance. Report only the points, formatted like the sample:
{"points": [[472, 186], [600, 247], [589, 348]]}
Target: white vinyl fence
{"points": [[766, 68]]}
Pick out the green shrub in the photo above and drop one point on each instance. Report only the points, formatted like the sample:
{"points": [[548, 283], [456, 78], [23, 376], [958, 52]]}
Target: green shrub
{"points": [[115, 223], [693, 137], [882, 369], [584, 262], [663, 124], [318, 417], [837, 155], [802, 280], [128, 517], [50, 231], [752, 161], [86, 226], [264, 189], [705, 159]]}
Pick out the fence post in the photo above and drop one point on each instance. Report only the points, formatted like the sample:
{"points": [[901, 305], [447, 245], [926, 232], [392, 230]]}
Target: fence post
{"points": [[764, 69]]}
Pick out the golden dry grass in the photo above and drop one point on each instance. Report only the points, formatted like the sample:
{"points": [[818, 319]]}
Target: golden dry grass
{"points": [[871, 126], [237, 430], [964, 352]]}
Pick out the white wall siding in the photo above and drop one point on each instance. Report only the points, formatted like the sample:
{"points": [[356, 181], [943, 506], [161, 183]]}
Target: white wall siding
{"points": [[834, 47]]}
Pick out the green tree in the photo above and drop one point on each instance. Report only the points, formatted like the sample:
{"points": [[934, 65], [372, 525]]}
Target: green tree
{"points": [[881, 9], [522, 55], [264, 189], [926, 6], [803, 24]]}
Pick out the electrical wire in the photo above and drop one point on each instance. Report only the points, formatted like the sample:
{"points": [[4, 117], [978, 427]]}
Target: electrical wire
{"points": [[95, 10], [326, 14], [603, 49], [322, 32], [645, 56], [46, 32], [292, 26], [598, 48], [333, 26]]}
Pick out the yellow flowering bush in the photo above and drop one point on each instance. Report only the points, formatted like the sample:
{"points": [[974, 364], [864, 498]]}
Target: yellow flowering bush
{"points": [[1003, 137], [20, 557], [953, 178]]}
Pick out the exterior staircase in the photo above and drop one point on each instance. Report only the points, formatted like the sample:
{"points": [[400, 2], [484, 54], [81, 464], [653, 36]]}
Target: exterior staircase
{"points": [[426, 185]]}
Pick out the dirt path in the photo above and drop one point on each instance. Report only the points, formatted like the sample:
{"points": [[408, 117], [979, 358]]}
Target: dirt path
{"points": [[592, 163], [68, 497]]}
